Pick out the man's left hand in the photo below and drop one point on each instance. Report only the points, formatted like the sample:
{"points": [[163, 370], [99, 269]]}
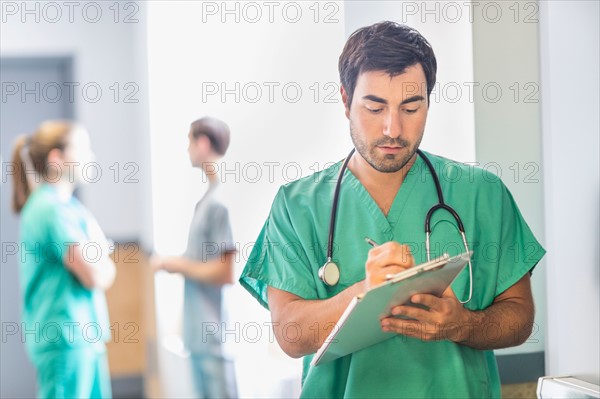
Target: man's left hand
{"points": [[433, 318]]}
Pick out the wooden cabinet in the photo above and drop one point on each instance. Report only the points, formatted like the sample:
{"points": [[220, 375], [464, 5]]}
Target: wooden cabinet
{"points": [[132, 348]]}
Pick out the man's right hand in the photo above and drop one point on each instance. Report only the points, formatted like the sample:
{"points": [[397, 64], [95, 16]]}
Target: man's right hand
{"points": [[386, 259]]}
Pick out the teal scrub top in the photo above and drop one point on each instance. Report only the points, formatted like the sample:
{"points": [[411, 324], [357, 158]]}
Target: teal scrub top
{"points": [[292, 247], [58, 311]]}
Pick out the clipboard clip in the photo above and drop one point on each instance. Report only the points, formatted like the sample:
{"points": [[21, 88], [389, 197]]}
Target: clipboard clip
{"points": [[431, 265]]}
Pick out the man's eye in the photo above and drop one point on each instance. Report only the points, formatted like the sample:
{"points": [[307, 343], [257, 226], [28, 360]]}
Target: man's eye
{"points": [[375, 110], [411, 111]]}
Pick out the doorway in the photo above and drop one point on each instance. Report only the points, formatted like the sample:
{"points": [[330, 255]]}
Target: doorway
{"points": [[33, 89]]}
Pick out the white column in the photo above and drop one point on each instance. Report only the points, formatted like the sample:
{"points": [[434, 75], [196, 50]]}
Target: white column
{"points": [[569, 76]]}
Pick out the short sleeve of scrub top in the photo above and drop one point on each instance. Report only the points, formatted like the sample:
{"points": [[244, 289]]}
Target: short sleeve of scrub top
{"points": [[278, 259]]}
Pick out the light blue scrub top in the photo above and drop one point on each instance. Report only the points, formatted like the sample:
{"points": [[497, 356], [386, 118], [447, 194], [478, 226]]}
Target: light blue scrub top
{"points": [[58, 311], [293, 243]]}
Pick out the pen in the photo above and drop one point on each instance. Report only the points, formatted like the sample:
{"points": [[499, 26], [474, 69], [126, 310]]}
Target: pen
{"points": [[371, 242], [374, 244]]}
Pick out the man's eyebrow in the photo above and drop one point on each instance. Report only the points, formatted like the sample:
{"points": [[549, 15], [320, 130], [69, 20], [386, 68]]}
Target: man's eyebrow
{"points": [[376, 99], [412, 99]]}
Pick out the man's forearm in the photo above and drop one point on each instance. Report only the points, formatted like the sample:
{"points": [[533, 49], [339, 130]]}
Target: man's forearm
{"points": [[506, 322], [301, 326], [218, 271], [502, 325]]}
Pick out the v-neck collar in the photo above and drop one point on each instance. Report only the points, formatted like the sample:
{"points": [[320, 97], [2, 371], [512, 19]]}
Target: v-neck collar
{"points": [[387, 224]]}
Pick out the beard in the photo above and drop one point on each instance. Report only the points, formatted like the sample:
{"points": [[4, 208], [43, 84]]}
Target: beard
{"points": [[385, 163]]}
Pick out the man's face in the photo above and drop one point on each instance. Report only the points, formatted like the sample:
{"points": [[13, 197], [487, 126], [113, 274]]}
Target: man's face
{"points": [[387, 117], [193, 150]]}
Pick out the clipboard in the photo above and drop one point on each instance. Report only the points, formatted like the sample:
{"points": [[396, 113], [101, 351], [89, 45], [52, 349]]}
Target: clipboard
{"points": [[359, 326]]}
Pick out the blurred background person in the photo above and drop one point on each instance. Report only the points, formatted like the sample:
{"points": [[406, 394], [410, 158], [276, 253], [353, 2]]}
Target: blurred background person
{"points": [[206, 266], [65, 264]]}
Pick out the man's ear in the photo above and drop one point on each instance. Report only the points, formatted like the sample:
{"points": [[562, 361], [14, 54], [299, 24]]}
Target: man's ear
{"points": [[203, 142], [345, 100]]}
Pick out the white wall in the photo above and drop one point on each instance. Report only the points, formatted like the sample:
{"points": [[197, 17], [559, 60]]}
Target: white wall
{"points": [[105, 53], [507, 122], [569, 76]]}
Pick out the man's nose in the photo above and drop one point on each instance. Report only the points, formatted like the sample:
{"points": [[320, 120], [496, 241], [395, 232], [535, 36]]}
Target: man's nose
{"points": [[393, 125]]}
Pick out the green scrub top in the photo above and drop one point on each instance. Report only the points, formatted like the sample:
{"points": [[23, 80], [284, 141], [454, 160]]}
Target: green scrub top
{"points": [[58, 311], [293, 243]]}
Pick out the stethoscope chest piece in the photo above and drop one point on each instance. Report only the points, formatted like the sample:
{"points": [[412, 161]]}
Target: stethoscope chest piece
{"points": [[329, 273]]}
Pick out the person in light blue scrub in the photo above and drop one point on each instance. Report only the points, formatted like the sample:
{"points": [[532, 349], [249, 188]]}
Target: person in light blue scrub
{"points": [[387, 73], [206, 265], [65, 265]]}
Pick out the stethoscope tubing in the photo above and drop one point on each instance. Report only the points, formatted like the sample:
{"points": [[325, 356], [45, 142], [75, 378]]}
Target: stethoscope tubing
{"points": [[440, 205], [336, 197]]}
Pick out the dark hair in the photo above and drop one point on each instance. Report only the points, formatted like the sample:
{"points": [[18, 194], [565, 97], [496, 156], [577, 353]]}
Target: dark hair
{"points": [[216, 130], [385, 46]]}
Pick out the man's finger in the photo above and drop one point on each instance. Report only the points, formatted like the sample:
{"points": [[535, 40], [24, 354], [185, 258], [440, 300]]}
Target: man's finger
{"points": [[431, 301], [411, 312], [409, 328]]}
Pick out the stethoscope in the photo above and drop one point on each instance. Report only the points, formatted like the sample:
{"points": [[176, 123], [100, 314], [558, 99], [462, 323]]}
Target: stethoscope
{"points": [[329, 273]]}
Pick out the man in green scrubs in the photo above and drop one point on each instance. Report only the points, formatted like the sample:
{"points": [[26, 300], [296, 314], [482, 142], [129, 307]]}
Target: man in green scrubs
{"points": [[387, 73]]}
